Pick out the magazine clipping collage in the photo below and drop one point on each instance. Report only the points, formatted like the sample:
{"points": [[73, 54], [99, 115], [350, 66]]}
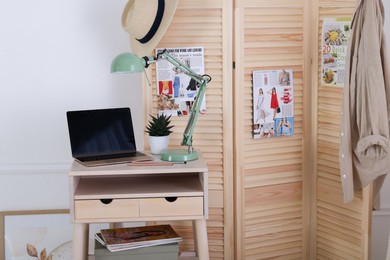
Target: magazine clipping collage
{"points": [[273, 109], [176, 91], [335, 41]]}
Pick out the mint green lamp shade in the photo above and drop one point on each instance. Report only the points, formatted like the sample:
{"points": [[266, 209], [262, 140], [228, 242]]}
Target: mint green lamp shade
{"points": [[127, 63]]}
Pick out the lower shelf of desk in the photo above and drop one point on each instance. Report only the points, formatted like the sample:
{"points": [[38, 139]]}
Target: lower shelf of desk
{"points": [[81, 233], [139, 186]]}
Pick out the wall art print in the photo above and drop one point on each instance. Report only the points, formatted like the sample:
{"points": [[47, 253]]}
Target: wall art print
{"points": [[335, 41], [273, 105], [176, 90], [39, 235]]}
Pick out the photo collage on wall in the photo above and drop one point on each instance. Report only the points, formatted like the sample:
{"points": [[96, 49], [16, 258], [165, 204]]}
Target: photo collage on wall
{"points": [[176, 90], [273, 109]]}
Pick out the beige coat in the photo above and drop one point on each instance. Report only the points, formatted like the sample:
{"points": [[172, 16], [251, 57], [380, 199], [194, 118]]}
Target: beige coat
{"points": [[365, 143]]}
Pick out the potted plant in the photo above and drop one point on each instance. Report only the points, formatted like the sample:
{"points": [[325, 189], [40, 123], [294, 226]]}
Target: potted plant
{"points": [[159, 129]]}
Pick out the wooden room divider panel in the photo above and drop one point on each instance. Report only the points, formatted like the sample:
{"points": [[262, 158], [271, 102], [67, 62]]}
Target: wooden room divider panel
{"points": [[279, 197], [271, 206], [341, 231], [208, 24]]}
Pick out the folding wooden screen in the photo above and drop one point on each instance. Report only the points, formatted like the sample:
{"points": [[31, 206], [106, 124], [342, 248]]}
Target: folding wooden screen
{"points": [[272, 200], [207, 23], [340, 231], [276, 198]]}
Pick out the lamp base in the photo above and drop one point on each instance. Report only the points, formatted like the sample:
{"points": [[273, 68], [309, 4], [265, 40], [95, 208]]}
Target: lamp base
{"points": [[178, 155]]}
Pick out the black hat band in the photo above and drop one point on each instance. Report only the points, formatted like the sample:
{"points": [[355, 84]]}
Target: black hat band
{"points": [[156, 23]]}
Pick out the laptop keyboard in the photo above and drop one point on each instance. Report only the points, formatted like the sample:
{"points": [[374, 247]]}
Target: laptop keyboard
{"points": [[109, 156]]}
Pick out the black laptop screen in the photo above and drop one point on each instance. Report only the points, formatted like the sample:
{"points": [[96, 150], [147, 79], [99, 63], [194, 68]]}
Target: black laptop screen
{"points": [[100, 131]]}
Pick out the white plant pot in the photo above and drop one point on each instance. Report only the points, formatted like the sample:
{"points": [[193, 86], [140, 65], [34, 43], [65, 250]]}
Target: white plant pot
{"points": [[158, 143]]}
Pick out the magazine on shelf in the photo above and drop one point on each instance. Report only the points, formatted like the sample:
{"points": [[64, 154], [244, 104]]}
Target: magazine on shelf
{"points": [[118, 239]]}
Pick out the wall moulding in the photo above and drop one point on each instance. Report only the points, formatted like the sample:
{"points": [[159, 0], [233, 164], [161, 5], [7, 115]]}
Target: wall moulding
{"points": [[40, 168]]}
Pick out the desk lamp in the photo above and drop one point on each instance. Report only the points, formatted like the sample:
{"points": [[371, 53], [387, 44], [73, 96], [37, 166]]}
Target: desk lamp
{"points": [[130, 63]]}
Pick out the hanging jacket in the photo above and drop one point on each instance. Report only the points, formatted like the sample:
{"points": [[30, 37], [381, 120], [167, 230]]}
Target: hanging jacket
{"points": [[364, 138]]}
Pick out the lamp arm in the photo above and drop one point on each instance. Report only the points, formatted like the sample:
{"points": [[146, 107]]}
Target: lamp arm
{"points": [[202, 81], [194, 113]]}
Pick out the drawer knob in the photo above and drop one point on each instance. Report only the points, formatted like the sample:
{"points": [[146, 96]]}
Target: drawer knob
{"points": [[106, 201], [170, 199]]}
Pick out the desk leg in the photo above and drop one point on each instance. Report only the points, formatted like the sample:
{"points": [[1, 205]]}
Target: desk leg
{"points": [[201, 241], [80, 241]]}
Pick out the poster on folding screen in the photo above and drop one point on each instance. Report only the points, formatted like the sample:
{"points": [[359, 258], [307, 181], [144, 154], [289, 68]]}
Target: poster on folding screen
{"points": [[273, 103]]}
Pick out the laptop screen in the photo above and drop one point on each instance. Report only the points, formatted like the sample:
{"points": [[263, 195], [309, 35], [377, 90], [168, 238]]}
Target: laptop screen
{"points": [[100, 131]]}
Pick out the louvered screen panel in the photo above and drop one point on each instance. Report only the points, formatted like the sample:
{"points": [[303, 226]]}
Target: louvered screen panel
{"points": [[341, 229], [269, 172], [204, 24]]}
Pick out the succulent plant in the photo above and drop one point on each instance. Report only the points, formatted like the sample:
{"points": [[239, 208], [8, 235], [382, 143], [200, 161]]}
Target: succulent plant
{"points": [[159, 126]]}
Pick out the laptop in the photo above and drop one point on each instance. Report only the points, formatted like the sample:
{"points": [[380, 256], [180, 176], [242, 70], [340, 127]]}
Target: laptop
{"points": [[103, 136]]}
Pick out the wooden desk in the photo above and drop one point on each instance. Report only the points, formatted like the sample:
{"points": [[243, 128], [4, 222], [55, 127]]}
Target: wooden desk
{"points": [[121, 193]]}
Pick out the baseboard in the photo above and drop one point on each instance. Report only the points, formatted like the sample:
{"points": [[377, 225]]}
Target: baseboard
{"points": [[384, 211]]}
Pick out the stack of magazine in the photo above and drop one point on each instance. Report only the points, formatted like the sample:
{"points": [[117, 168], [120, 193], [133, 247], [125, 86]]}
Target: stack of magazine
{"points": [[118, 239]]}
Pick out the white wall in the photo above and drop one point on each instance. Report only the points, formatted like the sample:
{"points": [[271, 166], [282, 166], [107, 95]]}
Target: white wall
{"points": [[55, 56], [381, 218], [385, 194]]}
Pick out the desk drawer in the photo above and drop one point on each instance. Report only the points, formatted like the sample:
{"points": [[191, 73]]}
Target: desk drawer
{"points": [[172, 206], [117, 208]]}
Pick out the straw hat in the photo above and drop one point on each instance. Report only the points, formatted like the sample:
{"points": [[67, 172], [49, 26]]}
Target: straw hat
{"points": [[146, 21]]}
